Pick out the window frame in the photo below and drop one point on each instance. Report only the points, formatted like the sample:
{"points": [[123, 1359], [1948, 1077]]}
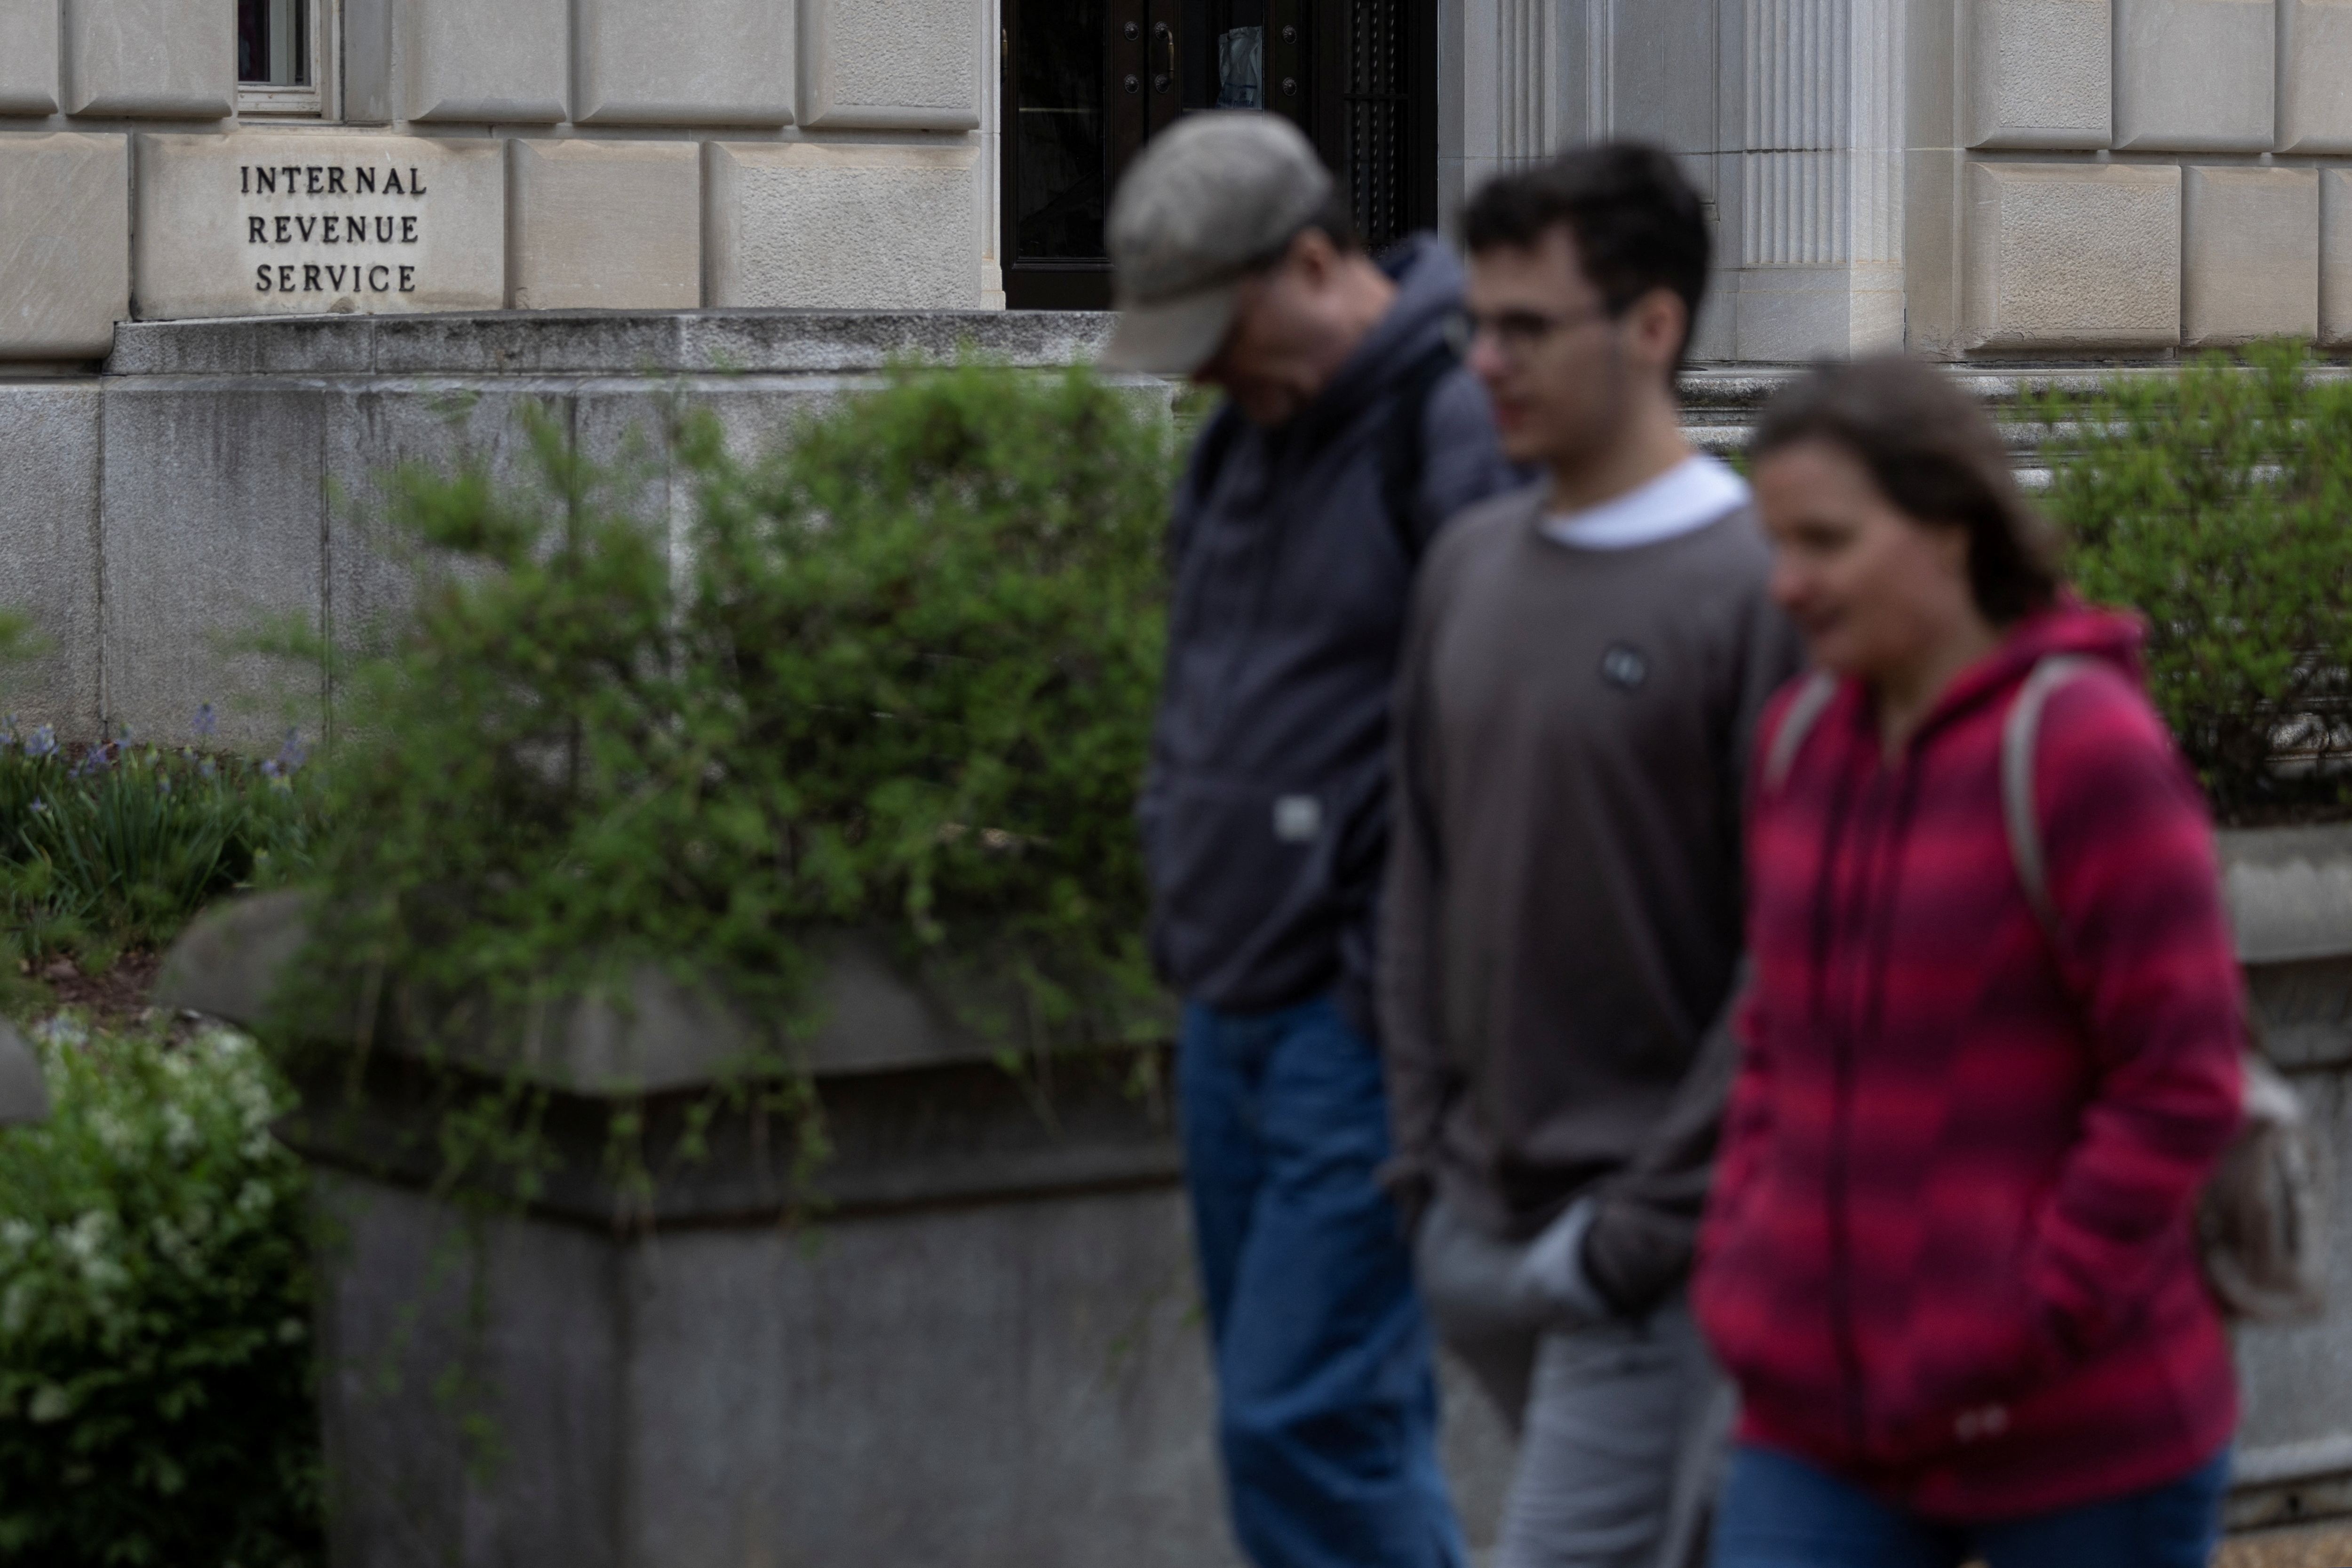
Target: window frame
{"points": [[261, 100]]}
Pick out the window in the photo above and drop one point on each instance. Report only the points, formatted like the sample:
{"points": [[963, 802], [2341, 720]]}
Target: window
{"points": [[1058, 136], [276, 48], [1087, 82]]}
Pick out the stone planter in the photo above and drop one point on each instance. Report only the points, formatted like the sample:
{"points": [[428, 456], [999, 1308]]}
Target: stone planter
{"points": [[986, 1350], [2290, 892], [23, 1095]]}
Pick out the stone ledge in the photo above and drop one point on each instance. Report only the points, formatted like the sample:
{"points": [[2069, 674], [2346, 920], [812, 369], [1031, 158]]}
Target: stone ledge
{"points": [[919, 1111], [24, 1096], [523, 342], [872, 1014], [897, 1143]]}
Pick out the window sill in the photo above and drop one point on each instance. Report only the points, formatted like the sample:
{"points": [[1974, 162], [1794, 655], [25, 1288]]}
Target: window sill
{"points": [[278, 103]]}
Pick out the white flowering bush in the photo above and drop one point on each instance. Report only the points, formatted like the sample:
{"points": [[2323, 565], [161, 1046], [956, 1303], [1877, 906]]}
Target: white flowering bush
{"points": [[155, 1385]]}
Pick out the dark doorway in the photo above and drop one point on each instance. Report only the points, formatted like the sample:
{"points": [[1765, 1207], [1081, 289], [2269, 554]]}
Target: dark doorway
{"points": [[1088, 82]]}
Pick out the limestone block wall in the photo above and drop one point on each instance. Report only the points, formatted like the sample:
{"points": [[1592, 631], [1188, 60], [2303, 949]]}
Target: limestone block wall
{"points": [[2196, 214], [472, 154], [1937, 174], [2007, 179]]}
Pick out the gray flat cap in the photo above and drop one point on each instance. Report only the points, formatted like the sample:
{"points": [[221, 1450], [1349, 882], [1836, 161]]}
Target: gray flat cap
{"points": [[1210, 198]]}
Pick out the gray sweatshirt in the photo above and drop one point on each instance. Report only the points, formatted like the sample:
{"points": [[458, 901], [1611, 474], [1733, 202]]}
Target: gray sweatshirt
{"points": [[1561, 922]]}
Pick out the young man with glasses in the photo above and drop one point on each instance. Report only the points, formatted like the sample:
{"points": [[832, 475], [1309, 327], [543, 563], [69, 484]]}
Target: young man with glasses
{"points": [[1582, 672], [1350, 434]]}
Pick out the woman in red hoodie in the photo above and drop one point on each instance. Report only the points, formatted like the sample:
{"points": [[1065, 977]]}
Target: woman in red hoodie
{"points": [[1948, 1257]]}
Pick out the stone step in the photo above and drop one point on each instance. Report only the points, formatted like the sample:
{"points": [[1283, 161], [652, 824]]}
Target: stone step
{"points": [[1721, 402]]}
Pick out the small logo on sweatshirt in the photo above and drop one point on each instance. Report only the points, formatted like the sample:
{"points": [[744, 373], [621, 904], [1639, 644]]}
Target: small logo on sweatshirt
{"points": [[1624, 666], [1298, 819]]}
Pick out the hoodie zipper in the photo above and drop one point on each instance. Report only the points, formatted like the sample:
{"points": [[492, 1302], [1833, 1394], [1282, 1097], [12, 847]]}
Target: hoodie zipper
{"points": [[1835, 1181], [1842, 810], [1886, 824]]}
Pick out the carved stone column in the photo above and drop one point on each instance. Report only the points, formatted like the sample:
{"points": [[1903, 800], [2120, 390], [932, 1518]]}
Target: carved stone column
{"points": [[1814, 244], [1788, 115], [1503, 99]]}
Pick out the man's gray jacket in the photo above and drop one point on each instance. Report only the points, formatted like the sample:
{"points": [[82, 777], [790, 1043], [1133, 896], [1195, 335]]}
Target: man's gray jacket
{"points": [[1265, 811]]}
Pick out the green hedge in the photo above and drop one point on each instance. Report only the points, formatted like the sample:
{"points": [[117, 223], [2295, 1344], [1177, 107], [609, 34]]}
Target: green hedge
{"points": [[2218, 501], [156, 1398], [898, 676]]}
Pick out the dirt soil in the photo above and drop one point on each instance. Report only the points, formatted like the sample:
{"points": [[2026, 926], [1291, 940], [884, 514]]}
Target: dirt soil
{"points": [[2325, 1545], [115, 999]]}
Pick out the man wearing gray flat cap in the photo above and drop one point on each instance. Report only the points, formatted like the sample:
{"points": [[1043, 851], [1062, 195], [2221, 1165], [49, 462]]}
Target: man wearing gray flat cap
{"points": [[1350, 433]]}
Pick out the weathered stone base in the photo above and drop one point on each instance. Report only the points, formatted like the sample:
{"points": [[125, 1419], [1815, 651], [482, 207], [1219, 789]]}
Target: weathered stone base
{"points": [[1018, 1386], [1021, 1384], [224, 474]]}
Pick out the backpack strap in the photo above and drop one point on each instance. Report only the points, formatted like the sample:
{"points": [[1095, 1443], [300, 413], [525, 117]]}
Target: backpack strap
{"points": [[1805, 709], [1404, 443], [2018, 732], [2261, 1229]]}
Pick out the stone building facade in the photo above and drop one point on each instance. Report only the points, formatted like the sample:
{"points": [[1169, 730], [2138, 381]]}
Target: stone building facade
{"points": [[168, 158], [2003, 178], [1990, 179]]}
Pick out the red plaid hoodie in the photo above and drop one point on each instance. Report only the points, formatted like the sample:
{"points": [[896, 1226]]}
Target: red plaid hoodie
{"points": [[1949, 1251]]}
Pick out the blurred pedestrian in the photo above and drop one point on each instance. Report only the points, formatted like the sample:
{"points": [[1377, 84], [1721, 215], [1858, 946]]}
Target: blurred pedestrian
{"points": [[1949, 1258], [1350, 433], [1585, 664]]}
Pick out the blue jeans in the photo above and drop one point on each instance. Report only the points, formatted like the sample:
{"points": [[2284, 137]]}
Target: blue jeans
{"points": [[1781, 1513], [1326, 1401]]}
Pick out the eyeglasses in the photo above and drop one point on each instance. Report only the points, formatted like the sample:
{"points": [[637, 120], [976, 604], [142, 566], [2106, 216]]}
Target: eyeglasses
{"points": [[1517, 333]]}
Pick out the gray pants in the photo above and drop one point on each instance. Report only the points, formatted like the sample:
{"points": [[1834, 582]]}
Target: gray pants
{"points": [[1620, 1423]]}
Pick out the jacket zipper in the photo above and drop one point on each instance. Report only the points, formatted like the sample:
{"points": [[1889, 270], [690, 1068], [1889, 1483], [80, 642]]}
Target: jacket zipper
{"points": [[1867, 850], [1840, 1244], [1842, 833]]}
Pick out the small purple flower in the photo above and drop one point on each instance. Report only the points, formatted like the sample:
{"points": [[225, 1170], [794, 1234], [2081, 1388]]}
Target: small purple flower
{"points": [[293, 753], [208, 767], [40, 804], [42, 742], [206, 721]]}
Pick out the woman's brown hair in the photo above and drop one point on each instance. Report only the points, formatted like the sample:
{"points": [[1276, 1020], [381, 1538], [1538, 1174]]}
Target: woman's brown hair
{"points": [[1932, 451]]}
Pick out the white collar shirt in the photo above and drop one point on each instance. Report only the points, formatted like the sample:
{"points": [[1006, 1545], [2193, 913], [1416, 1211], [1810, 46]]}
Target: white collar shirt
{"points": [[1684, 498]]}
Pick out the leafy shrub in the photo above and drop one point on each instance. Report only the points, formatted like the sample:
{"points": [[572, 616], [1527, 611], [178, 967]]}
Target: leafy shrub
{"points": [[117, 845], [898, 676], [2219, 502], [154, 1298], [17, 638]]}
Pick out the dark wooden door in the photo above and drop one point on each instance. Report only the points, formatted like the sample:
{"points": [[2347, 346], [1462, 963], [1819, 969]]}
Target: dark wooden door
{"points": [[1088, 82]]}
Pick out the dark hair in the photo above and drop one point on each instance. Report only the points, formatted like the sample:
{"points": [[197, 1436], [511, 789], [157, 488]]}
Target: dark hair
{"points": [[1637, 224], [1335, 221], [1932, 451]]}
